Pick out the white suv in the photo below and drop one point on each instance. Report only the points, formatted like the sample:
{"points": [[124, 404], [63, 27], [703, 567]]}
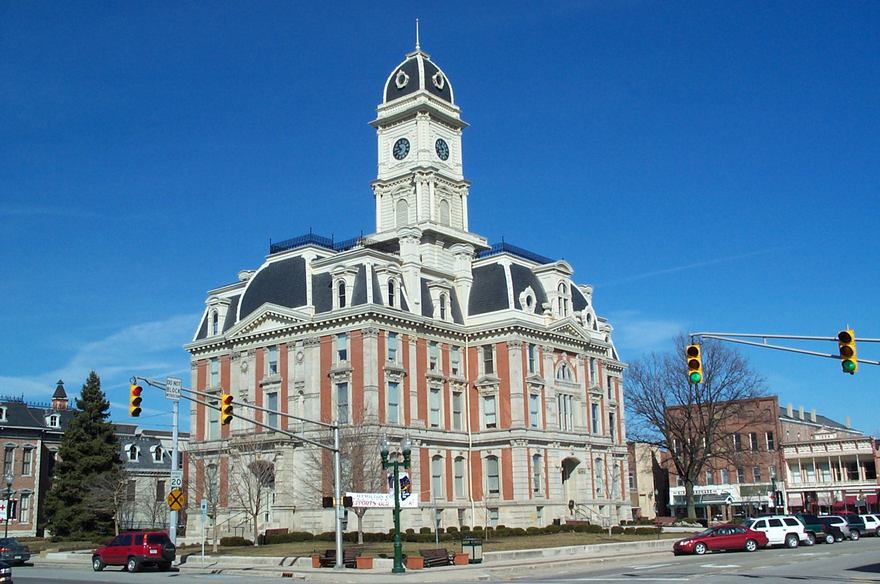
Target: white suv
{"points": [[871, 524], [781, 530]]}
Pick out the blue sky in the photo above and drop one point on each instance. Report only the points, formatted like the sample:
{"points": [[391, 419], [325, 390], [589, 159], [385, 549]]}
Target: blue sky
{"points": [[706, 166]]}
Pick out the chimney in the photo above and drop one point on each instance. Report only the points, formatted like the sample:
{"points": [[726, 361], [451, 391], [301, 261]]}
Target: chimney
{"points": [[847, 422], [813, 415], [789, 410], [801, 412]]}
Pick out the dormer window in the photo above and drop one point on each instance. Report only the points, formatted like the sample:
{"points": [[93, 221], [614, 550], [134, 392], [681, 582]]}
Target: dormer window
{"points": [[2, 413], [53, 421], [157, 454], [391, 298], [215, 323], [133, 453], [562, 300], [443, 303], [340, 293]]}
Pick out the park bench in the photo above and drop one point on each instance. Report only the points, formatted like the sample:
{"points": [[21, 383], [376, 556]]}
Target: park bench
{"points": [[349, 558], [438, 557]]}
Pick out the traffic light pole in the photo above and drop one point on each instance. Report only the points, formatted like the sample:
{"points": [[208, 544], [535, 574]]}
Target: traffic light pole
{"points": [[337, 466], [740, 338]]}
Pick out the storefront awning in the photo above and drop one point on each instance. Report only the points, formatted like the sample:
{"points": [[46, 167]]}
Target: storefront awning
{"points": [[703, 500]]}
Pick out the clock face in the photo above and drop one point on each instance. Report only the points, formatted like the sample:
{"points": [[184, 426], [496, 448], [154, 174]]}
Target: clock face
{"points": [[442, 148], [401, 149]]}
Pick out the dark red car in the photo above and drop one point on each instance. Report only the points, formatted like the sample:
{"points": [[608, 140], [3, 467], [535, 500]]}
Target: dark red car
{"points": [[134, 549], [721, 537]]}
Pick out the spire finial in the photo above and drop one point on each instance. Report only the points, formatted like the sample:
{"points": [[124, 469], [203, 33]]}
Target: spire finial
{"points": [[417, 35]]}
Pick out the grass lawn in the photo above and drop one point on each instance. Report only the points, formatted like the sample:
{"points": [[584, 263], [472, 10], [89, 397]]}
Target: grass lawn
{"points": [[306, 548]]}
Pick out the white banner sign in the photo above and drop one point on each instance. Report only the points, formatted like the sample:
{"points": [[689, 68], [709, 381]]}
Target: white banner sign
{"points": [[381, 500]]}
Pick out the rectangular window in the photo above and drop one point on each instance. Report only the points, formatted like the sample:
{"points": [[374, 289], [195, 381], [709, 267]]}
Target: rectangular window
{"points": [[488, 360], [342, 403], [594, 411], [272, 360], [341, 347], [609, 386], [810, 472], [392, 347], [455, 361], [794, 471], [25, 511], [771, 441], [27, 459], [437, 477], [679, 481], [632, 481], [611, 425], [564, 403], [537, 479], [456, 410], [539, 514], [737, 442], [753, 441], [489, 411], [160, 490], [824, 472], [740, 475], [434, 408], [213, 420], [710, 477], [532, 358], [458, 477], [725, 476], [534, 410], [492, 481], [433, 357], [756, 473], [593, 374], [493, 516], [272, 404], [772, 469], [214, 381], [393, 402]]}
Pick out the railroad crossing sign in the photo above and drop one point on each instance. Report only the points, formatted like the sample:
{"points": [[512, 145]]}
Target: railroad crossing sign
{"points": [[176, 500]]}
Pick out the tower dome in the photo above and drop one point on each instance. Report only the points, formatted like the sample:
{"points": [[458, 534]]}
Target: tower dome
{"points": [[417, 73]]}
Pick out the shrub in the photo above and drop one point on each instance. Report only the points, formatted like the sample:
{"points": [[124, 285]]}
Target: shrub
{"points": [[617, 530], [326, 536], [535, 530], [425, 530], [288, 537], [452, 530], [517, 532], [235, 541]]}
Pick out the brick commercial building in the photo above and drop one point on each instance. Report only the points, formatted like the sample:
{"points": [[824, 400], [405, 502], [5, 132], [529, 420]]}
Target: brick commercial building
{"points": [[490, 357]]}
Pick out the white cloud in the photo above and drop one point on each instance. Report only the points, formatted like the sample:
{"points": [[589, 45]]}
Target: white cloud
{"points": [[151, 349], [635, 334]]}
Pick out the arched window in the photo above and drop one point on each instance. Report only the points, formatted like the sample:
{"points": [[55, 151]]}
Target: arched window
{"points": [[458, 476], [340, 293], [215, 323], [493, 484], [562, 300], [391, 296], [402, 213], [444, 212], [157, 454], [537, 469], [443, 300], [564, 372], [437, 477], [133, 452]]}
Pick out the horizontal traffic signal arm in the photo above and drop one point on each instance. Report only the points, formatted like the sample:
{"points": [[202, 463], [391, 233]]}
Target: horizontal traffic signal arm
{"points": [[741, 338], [217, 407]]}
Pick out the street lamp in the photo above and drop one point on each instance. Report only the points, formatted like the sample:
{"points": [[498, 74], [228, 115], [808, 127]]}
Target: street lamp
{"points": [[395, 464], [8, 502]]}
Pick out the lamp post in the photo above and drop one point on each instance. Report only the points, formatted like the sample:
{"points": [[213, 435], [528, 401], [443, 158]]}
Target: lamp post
{"points": [[8, 502], [395, 464]]}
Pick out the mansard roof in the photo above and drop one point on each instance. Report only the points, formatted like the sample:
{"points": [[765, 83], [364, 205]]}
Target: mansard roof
{"points": [[417, 73]]}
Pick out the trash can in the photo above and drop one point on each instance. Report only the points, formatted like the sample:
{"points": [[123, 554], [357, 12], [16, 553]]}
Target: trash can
{"points": [[473, 547]]}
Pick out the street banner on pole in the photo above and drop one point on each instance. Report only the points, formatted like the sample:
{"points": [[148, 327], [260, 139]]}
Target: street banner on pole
{"points": [[380, 500]]}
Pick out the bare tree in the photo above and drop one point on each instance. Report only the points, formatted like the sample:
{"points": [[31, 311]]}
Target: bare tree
{"points": [[252, 478], [110, 492], [695, 423], [153, 503], [209, 470], [361, 464]]}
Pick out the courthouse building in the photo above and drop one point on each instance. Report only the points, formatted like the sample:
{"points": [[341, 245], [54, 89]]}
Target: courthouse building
{"points": [[491, 358]]}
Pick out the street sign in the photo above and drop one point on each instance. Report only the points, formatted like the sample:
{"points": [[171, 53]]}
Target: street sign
{"points": [[3, 509], [172, 388], [177, 479], [176, 500], [203, 507]]}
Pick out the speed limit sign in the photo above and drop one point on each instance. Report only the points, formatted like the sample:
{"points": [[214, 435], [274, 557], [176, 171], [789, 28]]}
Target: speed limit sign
{"points": [[176, 479]]}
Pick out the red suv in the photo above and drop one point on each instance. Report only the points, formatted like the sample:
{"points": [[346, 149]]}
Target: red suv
{"points": [[135, 549]]}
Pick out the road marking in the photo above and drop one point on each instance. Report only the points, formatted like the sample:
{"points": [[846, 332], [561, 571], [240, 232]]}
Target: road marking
{"points": [[632, 579], [720, 566], [648, 567]]}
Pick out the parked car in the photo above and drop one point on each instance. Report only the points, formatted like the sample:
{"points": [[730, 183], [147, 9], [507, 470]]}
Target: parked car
{"points": [[782, 530], [13, 551], [720, 537], [135, 549], [841, 523], [872, 522], [857, 527], [814, 526], [5, 573], [831, 533]]}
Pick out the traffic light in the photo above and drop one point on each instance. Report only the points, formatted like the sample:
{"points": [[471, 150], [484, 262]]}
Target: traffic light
{"points": [[327, 502], [134, 400], [225, 409], [694, 363], [846, 341]]}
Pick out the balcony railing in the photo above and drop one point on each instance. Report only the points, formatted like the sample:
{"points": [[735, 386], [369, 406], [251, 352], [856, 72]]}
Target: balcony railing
{"points": [[504, 247]]}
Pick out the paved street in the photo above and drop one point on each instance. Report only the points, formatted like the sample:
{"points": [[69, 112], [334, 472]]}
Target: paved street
{"points": [[842, 562]]}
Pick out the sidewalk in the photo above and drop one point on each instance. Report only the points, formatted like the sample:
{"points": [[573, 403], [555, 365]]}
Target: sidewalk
{"points": [[300, 568]]}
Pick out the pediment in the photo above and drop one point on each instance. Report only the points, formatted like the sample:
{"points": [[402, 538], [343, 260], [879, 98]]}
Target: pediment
{"points": [[267, 319], [570, 328]]}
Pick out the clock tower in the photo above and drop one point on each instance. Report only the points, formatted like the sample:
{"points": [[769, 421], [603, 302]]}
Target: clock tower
{"points": [[420, 191]]}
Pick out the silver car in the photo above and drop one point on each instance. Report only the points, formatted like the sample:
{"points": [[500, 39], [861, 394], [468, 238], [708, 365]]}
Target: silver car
{"points": [[840, 523]]}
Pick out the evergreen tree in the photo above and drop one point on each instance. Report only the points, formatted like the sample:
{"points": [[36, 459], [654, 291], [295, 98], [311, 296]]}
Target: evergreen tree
{"points": [[89, 450]]}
